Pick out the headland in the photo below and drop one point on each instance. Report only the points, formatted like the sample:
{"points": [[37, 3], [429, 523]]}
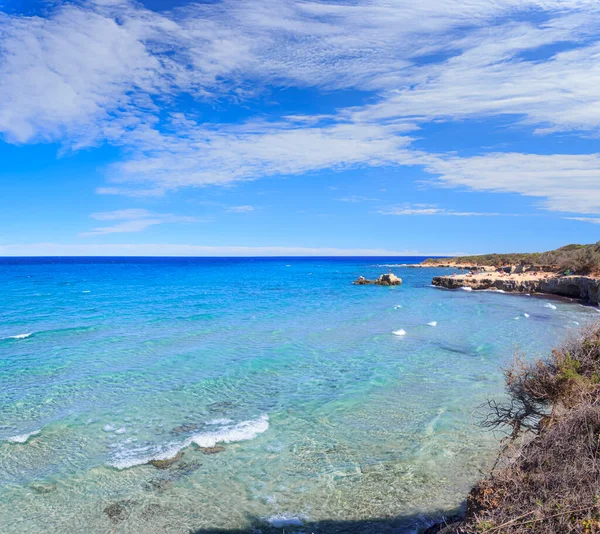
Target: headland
{"points": [[572, 271]]}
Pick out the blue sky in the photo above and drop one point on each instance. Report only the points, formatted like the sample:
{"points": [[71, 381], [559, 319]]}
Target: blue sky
{"points": [[279, 127]]}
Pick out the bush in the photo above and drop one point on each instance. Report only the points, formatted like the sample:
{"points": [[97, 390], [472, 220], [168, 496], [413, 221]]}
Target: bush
{"points": [[547, 478], [582, 259]]}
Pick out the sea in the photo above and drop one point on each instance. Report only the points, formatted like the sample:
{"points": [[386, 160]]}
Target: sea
{"points": [[270, 394]]}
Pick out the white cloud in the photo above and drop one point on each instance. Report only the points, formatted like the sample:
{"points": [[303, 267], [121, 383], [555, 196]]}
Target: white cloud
{"points": [[121, 214], [57, 249], [432, 209], [104, 71], [134, 220], [592, 220], [357, 199], [240, 209], [566, 183]]}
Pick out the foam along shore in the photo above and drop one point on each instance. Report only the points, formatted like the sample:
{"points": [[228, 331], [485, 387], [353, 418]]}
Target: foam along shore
{"points": [[585, 288], [244, 431]]}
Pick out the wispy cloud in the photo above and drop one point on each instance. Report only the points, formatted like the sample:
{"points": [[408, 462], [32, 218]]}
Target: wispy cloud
{"points": [[240, 209], [432, 209], [592, 220], [566, 183], [357, 199], [134, 220], [426, 61]]}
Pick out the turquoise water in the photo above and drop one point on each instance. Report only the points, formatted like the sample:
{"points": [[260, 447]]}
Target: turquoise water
{"points": [[323, 413]]}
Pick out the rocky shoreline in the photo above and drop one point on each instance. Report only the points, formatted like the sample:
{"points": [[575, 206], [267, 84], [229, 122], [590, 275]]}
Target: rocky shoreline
{"points": [[584, 288]]}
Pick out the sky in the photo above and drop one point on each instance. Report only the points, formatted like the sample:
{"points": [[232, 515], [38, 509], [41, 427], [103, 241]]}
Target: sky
{"points": [[288, 127]]}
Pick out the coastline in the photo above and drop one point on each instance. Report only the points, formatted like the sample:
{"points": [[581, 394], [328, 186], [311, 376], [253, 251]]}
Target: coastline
{"points": [[583, 288]]}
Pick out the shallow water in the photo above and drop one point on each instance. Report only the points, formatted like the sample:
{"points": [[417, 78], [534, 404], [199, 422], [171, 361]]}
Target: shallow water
{"points": [[323, 412]]}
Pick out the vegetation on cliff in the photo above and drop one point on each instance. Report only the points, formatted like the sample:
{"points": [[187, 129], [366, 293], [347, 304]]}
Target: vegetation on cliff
{"points": [[583, 259], [547, 477]]}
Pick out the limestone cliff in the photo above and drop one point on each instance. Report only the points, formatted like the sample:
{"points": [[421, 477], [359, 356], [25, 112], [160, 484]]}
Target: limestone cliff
{"points": [[586, 288]]}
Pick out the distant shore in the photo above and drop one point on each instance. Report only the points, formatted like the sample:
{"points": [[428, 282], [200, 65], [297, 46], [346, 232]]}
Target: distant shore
{"points": [[572, 271], [585, 288]]}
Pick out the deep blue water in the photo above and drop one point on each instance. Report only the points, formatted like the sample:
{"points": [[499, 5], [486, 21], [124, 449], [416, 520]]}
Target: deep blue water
{"points": [[324, 413]]}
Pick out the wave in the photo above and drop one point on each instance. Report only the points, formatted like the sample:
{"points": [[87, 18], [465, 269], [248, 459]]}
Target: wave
{"points": [[397, 306], [219, 422], [22, 438], [432, 323], [20, 336], [400, 332], [525, 315], [467, 288], [244, 431], [551, 306]]}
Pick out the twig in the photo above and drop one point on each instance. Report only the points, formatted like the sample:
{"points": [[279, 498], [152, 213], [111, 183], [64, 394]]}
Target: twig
{"points": [[537, 520]]}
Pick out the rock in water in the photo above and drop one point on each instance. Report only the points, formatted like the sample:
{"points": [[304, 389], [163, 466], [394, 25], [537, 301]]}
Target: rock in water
{"points": [[165, 464], [42, 487], [384, 280], [388, 280], [212, 450], [116, 512]]}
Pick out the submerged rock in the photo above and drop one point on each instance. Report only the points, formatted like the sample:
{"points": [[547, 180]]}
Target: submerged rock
{"points": [[184, 428], [151, 511], [220, 407], [184, 469], [212, 450], [159, 484], [42, 487], [165, 464], [116, 512]]}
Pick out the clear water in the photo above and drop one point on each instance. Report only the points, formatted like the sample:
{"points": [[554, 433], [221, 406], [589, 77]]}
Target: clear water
{"points": [[326, 416]]}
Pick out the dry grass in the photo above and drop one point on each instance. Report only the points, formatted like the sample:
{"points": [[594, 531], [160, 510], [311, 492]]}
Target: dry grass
{"points": [[583, 259], [547, 478]]}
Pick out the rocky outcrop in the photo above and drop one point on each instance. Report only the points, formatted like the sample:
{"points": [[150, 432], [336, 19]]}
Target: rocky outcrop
{"points": [[585, 288], [384, 280], [166, 463]]}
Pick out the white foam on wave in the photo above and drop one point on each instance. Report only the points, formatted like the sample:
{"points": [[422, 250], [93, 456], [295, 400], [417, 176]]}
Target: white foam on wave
{"points": [[283, 520], [432, 323], [22, 438], [219, 422], [20, 336], [551, 306], [525, 315], [467, 288], [86, 291], [400, 332], [244, 431], [397, 306]]}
